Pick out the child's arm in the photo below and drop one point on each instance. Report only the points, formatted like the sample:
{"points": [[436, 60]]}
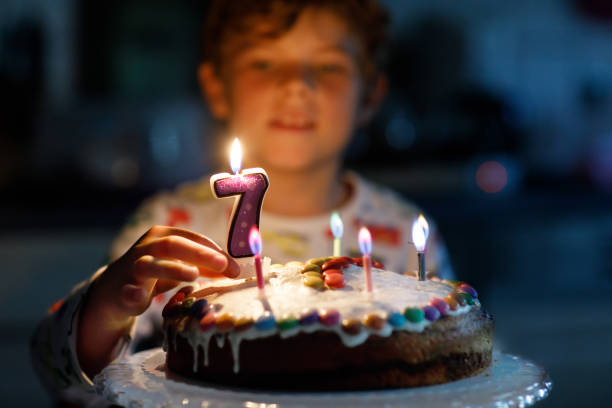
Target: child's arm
{"points": [[161, 259], [54, 343]]}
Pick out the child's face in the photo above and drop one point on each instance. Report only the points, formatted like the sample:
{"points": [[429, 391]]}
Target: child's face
{"points": [[294, 100]]}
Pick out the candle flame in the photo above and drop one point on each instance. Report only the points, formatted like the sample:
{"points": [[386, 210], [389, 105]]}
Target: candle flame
{"points": [[255, 240], [236, 156], [420, 233], [336, 225], [423, 221], [365, 241]]}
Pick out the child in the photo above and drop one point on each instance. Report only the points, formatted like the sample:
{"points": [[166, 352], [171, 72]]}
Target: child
{"points": [[293, 80]]}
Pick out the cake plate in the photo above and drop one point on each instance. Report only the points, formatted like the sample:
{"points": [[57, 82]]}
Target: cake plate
{"points": [[141, 380]]}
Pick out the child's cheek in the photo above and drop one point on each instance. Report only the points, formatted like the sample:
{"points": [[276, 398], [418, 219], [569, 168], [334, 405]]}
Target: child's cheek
{"points": [[339, 91], [250, 89], [253, 80]]}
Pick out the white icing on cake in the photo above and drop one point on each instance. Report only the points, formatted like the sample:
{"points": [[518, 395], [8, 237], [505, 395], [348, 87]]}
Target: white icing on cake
{"points": [[287, 297]]}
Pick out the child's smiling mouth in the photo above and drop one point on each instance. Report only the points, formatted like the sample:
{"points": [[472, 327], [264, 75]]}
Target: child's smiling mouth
{"points": [[292, 124]]}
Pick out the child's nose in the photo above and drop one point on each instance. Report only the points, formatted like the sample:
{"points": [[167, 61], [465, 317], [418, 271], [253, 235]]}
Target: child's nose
{"points": [[297, 78]]}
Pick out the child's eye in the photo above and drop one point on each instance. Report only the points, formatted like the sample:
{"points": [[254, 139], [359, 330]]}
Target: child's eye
{"points": [[261, 65], [331, 68]]}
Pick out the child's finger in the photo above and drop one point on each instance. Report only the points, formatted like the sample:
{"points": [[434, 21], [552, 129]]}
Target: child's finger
{"points": [[133, 298], [207, 273], [162, 231], [185, 250], [149, 267], [164, 285], [232, 270]]}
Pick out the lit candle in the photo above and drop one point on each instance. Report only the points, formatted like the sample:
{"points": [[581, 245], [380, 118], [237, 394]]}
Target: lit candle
{"points": [[420, 232], [249, 186], [365, 245], [255, 245], [337, 229]]}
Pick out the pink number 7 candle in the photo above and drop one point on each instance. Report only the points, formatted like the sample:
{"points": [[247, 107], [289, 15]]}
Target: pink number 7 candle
{"points": [[249, 186]]}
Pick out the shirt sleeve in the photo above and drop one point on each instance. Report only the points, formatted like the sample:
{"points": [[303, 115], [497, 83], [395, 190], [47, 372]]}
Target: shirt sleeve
{"points": [[53, 348], [53, 344]]}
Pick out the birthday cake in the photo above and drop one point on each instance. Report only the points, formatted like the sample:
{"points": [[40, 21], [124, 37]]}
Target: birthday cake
{"points": [[318, 328]]}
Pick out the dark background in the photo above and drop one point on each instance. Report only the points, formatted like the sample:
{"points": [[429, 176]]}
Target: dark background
{"points": [[499, 124]]}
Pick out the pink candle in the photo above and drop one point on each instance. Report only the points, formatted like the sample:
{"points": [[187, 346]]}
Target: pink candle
{"points": [[249, 186], [365, 245], [255, 245]]}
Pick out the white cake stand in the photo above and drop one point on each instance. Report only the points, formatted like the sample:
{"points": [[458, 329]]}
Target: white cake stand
{"points": [[141, 381]]}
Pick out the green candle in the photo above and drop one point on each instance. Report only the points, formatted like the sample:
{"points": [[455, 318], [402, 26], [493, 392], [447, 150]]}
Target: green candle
{"points": [[337, 229]]}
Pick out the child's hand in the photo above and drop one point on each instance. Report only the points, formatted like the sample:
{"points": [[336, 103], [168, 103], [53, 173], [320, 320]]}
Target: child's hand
{"points": [[160, 260]]}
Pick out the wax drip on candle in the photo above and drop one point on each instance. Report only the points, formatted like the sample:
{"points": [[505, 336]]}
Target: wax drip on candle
{"points": [[420, 233], [337, 229]]}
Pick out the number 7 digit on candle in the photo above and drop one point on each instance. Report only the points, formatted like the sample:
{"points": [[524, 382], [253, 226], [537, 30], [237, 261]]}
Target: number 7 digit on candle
{"points": [[249, 187]]}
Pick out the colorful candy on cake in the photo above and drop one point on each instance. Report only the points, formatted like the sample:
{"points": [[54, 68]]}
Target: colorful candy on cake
{"points": [[317, 327]]}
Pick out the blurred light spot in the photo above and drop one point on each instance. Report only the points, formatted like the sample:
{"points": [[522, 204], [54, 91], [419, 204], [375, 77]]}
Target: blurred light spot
{"points": [[600, 162], [165, 144], [125, 172], [491, 177], [400, 133], [251, 404]]}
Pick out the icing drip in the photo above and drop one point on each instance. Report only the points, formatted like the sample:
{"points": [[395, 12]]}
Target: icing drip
{"points": [[235, 344], [195, 347], [206, 345], [220, 340], [197, 338]]}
